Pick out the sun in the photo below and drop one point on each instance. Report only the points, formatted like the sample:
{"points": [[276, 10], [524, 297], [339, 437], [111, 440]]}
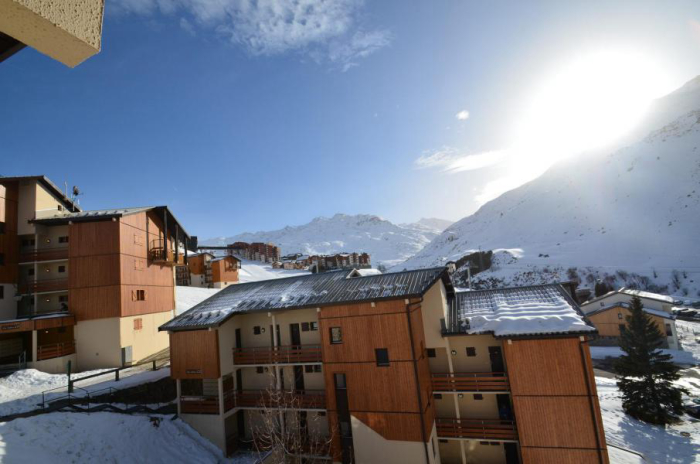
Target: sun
{"points": [[589, 102]]}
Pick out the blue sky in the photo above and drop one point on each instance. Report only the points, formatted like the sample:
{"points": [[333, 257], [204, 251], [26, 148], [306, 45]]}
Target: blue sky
{"points": [[248, 118]]}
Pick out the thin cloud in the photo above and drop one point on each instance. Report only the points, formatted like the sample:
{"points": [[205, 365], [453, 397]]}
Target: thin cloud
{"points": [[462, 115], [451, 160], [328, 32]]}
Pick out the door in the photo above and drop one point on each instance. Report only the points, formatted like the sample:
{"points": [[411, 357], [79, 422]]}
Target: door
{"points": [[241, 424], [511, 450], [299, 378], [505, 411], [239, 341], [496, 356], [272, 336], [343, 412], [239, 380], [295, 334]]}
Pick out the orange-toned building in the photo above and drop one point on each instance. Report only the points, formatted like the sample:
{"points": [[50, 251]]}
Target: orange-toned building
{"points": [[91, 287], [206, 270], [392, 368]]}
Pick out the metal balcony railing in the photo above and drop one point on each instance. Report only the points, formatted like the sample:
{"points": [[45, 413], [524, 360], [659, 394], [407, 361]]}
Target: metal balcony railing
{"points": [[471, 382], [290, 354], [44, 254], [54, 350]]}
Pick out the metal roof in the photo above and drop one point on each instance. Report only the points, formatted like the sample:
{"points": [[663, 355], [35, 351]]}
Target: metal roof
{"points": [[533, 310], [626, 305], [46, 182], [307, 291]]}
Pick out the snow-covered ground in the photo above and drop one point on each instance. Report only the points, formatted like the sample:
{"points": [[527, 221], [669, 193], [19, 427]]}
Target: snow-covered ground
{"points": [[680, 357], [21, 391], [187, 297], [106, 437]]}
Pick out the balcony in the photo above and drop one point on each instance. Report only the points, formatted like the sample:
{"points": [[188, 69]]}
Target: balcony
{"points": [[290, 354], [477, 429], [471, 382], [44, 254], [45, 285], [55, 350], [204, 404], [161, 255], [300, 399]]}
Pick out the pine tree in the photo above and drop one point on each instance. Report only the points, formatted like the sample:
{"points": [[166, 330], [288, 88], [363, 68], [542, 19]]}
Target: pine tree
{"points": [[645, 374]]}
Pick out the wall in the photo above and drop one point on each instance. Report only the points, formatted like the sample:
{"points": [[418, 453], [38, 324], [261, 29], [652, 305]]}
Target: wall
{"points": [[56, 365], [97, 343], [608, 324], [551, 382], [210, 426], [434, 308], [624, 298], [224, 271], [479, 363], [69, 31], [371, 447], [194, 354], [147, 340]]}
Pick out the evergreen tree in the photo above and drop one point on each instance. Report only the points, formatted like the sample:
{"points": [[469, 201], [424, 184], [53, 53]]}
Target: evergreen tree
{"points": [[601, 288], [645, 374]]}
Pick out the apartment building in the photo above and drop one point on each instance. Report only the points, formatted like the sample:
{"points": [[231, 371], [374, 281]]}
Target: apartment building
{"points": [[608, 313], [206, 270], [392, 368], [91, 287], [69, 31], [257, 251]]}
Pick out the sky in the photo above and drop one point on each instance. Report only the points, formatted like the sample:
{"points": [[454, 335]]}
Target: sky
{"points": [[247, 115]]}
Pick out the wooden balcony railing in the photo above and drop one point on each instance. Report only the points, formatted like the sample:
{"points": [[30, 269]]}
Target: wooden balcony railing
{"points": [[199, 404], [471, 382], [480, 429], [291, 354], [54, 350], [46, 285], [158, 254], [45, 254], [299, 399]]}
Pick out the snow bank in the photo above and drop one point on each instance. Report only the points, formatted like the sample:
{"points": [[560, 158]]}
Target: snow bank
{"points": [[187, 297]]}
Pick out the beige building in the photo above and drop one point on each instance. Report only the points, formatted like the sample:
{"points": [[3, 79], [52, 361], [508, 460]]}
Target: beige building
{"points": [[69, 31]]}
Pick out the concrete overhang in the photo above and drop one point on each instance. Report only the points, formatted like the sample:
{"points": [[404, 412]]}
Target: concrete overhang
{"points": [[69, 31]]}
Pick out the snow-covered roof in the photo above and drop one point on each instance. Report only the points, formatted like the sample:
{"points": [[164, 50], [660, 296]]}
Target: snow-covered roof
{"points": [[650, 295], [533, 310], [364, 272], [305, 291], [623, 304]]}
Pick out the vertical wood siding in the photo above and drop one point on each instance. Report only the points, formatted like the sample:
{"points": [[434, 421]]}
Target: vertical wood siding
{"points": [[194, 355]]}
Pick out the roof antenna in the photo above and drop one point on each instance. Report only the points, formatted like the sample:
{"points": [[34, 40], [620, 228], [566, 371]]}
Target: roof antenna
{"points": [[74, 195]]}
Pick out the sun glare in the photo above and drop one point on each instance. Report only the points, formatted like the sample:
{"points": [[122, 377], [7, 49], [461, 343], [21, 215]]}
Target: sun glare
{"points": [[590, 102]]}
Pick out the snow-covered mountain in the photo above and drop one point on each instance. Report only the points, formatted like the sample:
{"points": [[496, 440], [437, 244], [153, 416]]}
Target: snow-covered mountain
{"points": [[630, 215], [387, 243]]}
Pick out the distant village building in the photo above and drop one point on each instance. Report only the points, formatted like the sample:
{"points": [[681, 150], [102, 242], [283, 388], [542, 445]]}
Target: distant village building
{"points": [[208, 271], [257, 251], [321, 263], [609, 314]]}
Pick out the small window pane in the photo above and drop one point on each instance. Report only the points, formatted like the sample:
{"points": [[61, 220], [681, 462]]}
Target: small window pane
{"points": [[61, 268], [340, 381], [308, 369], [478, 396], [317, 368], [336, 335], [314, 326], [382, 355], [431, 352], [438, 396], [304, 326], [256, 330], [471, 351]]}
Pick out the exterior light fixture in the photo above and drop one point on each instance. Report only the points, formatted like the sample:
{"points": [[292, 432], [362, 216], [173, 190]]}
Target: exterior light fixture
{"points": [[262, 329], [454, 352], [460, 395]]}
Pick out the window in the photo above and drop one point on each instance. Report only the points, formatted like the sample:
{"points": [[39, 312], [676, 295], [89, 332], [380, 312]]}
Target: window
{"points": [[321, 413], [313, 326], [336, 335], [308, 369], [139, 295], [442, 440], [471, 351], [669, 330], [61, 268], [2, 259], [382, 355], [2, 292], [2, 228], [622, 328], [304, 326], [619, 315], [30, 271], [318, 368], [431, 352], [260, 370], [340, 382], [256, 330], [27, 242], [478, 397], [63, 299], [63, 239], [59, 207], [437, 396], [138, 323]]}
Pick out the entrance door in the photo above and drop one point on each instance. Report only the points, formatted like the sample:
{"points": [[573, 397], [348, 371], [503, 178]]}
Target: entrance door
{"points": [[505, 412], [295, 334], [299, 378], [511, 450], [272, 337], [496, 356]]}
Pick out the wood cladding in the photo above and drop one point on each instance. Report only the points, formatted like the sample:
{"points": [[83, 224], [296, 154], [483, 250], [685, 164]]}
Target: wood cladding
{"points": [[385, 398], [555, 401], [9, 245], [225, 270], [194, 354]]}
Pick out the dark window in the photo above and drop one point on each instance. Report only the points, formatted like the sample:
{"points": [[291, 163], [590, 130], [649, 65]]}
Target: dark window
{"points": [[61, 268], [336, 335], [484, 443], [2, 292], [63, 299], [669, 331], [2, 227], [321, 413], [478, 396], [471, 351], [431, 352], [382, 355], [30, 271], [308, 369], [438, 396], [619, 315], [622, 328], [256, 330], [314, 325], [28, 242], [63, 239], [340, 382], [2, 259], [304, 326], [442, 440], [140, 295], [317, 368], [259, 370]]}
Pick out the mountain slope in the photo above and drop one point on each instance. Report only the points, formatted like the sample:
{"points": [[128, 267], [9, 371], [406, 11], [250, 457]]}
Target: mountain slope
{"points": [[387, 243], [630, 216]]}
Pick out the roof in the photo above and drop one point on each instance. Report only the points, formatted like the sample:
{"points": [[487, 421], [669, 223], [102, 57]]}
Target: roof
{"points": [[623, 304], [306, 291], [633, 292], [46, 182], [534, 310]]}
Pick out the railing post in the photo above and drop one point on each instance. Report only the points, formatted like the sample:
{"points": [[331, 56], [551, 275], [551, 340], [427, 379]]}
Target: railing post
{"points": [[116, 375]]}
